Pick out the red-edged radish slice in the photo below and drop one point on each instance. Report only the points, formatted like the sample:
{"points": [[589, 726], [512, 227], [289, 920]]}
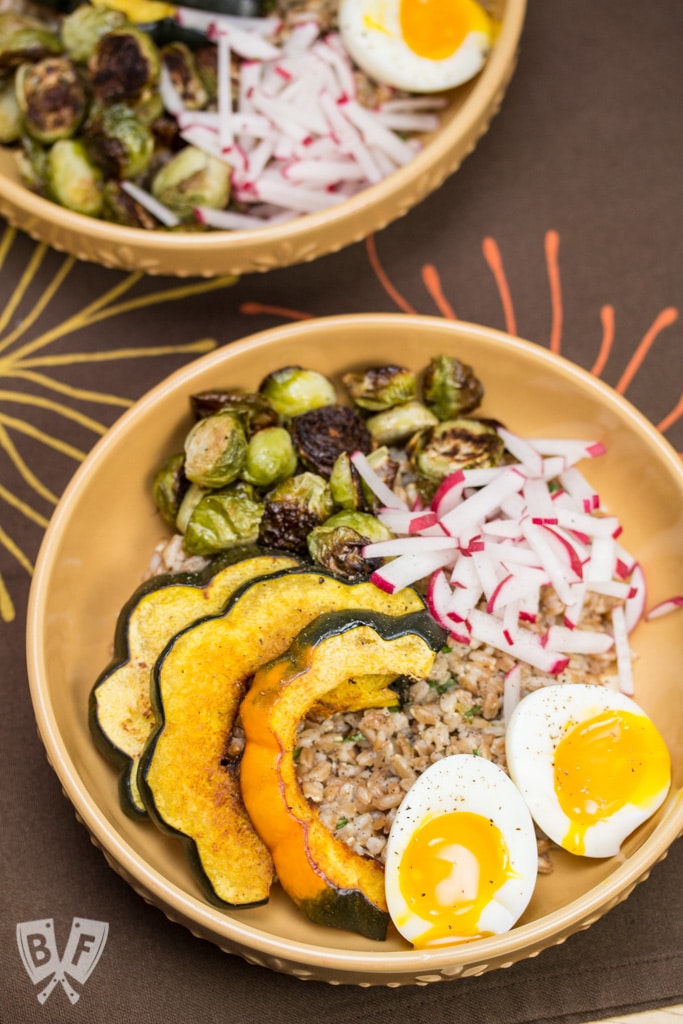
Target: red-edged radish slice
{"points": [[512, 687], [375, 483], [472, 512], [623, 651], [407, 569], [635, 602], [151, 204], [526, 646], [577, 641], [530, 457], [664, 607]]}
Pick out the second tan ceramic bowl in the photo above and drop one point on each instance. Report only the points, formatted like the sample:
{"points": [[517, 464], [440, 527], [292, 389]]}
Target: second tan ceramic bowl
{"points": [[98, 545], [464, 121]]}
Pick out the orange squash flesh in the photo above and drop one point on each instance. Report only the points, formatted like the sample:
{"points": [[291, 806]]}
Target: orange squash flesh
{"points": [[331, 883]]}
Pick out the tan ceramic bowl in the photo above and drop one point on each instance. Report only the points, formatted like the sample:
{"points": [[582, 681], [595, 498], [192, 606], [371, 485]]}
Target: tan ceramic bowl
{"points": [[98, 544], [465, 120]]}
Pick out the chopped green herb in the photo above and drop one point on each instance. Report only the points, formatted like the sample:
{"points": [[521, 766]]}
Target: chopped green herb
{"points": [[354, 737], [476, 709], [342, 822], [440, 686], [296, 752]]}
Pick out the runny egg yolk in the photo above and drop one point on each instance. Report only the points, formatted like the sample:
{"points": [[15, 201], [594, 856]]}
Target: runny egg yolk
{"points": [[611, 760], [435, 29], [450, 871]]}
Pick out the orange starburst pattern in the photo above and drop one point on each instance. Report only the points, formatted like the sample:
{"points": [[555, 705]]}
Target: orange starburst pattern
{"points": [[31, 386]]}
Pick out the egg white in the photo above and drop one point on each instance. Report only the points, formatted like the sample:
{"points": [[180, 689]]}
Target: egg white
{"points": [[533, 733], [463, 782], [371, 32]]}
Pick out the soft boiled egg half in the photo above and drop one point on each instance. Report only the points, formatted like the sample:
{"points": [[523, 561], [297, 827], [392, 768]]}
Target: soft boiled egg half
{"points": [[416, 45], [590, 764], [461, 859]]}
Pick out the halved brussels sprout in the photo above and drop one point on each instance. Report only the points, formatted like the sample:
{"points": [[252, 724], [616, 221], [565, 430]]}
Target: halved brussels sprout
{"points": [[10, 113], [396, 425], [72, 179], [120, 208], [254, 409], [215, 450], [169, 487], [192, 178], [293, 390], [381, 387], [52, 98], [293, 509], [321, 435], [348, 489], [223, 519], [338, 543], [24, 39], [455, 444], [82, 29], [119, 142], [451, 388], [270, 457], [180, 63], [124, 66]]}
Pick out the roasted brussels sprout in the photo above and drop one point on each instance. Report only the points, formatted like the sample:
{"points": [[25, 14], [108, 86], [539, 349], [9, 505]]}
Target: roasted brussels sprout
{"points": [[321, 435], [206, 62], [52, 98], [72, 179], [24, 39], [223, 519], [32, 163], [124, 66], [192, 178], [346, 485], [10, 113], [381, 387], [119, 142], [396, 425], [455, 444], [254, 408], [182, 68], [451, 388], [215, 450], [293, 509], [82, 29], [293, 390], [120, 208], [169, 487], [338, 543], [270, 457]]}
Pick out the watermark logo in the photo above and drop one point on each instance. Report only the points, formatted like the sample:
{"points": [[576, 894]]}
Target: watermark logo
{"points": [[38, 947]]}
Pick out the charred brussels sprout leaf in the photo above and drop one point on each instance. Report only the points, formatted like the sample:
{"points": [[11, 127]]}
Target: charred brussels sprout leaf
{"points": [[381, 387], [52, 98], [254, 409], [338, 543], [293, 390], [215, 450], [451, 388], [82, 29], [124, 66], [24, 39], [270, 457], [72, 179], [192, 178], [321, 435], [223, 519], [119, 142], [169, 487], [455, 444], [293, 509], [179, 61], [400, 423]]}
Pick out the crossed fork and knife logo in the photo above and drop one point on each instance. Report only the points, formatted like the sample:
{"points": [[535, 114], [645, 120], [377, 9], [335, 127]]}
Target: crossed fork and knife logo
{"points": [[38, 948]]}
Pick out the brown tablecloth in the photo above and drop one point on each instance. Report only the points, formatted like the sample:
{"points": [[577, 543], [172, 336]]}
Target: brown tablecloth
{"points": [[563, 226]]}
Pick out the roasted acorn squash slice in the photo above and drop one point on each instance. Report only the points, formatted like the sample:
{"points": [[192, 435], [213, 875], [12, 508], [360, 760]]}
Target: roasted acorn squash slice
{"points": [[120, 712], [188, 785], [329, 881]]}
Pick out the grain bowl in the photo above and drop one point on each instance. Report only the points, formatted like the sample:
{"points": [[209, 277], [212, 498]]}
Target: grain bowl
{"points": [[72, 618], [466, 116]]}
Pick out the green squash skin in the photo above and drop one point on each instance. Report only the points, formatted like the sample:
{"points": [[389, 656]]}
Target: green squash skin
{"points": [[117, 757], [427, 628]]}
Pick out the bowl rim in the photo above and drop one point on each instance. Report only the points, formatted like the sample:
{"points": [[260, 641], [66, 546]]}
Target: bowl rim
{"points": [[16, 199], [552, 927]]}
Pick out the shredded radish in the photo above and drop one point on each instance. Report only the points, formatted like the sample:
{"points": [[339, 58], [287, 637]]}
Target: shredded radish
{"points": [[494, 538], [293, 130], [151, 204], [664, 607]]}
